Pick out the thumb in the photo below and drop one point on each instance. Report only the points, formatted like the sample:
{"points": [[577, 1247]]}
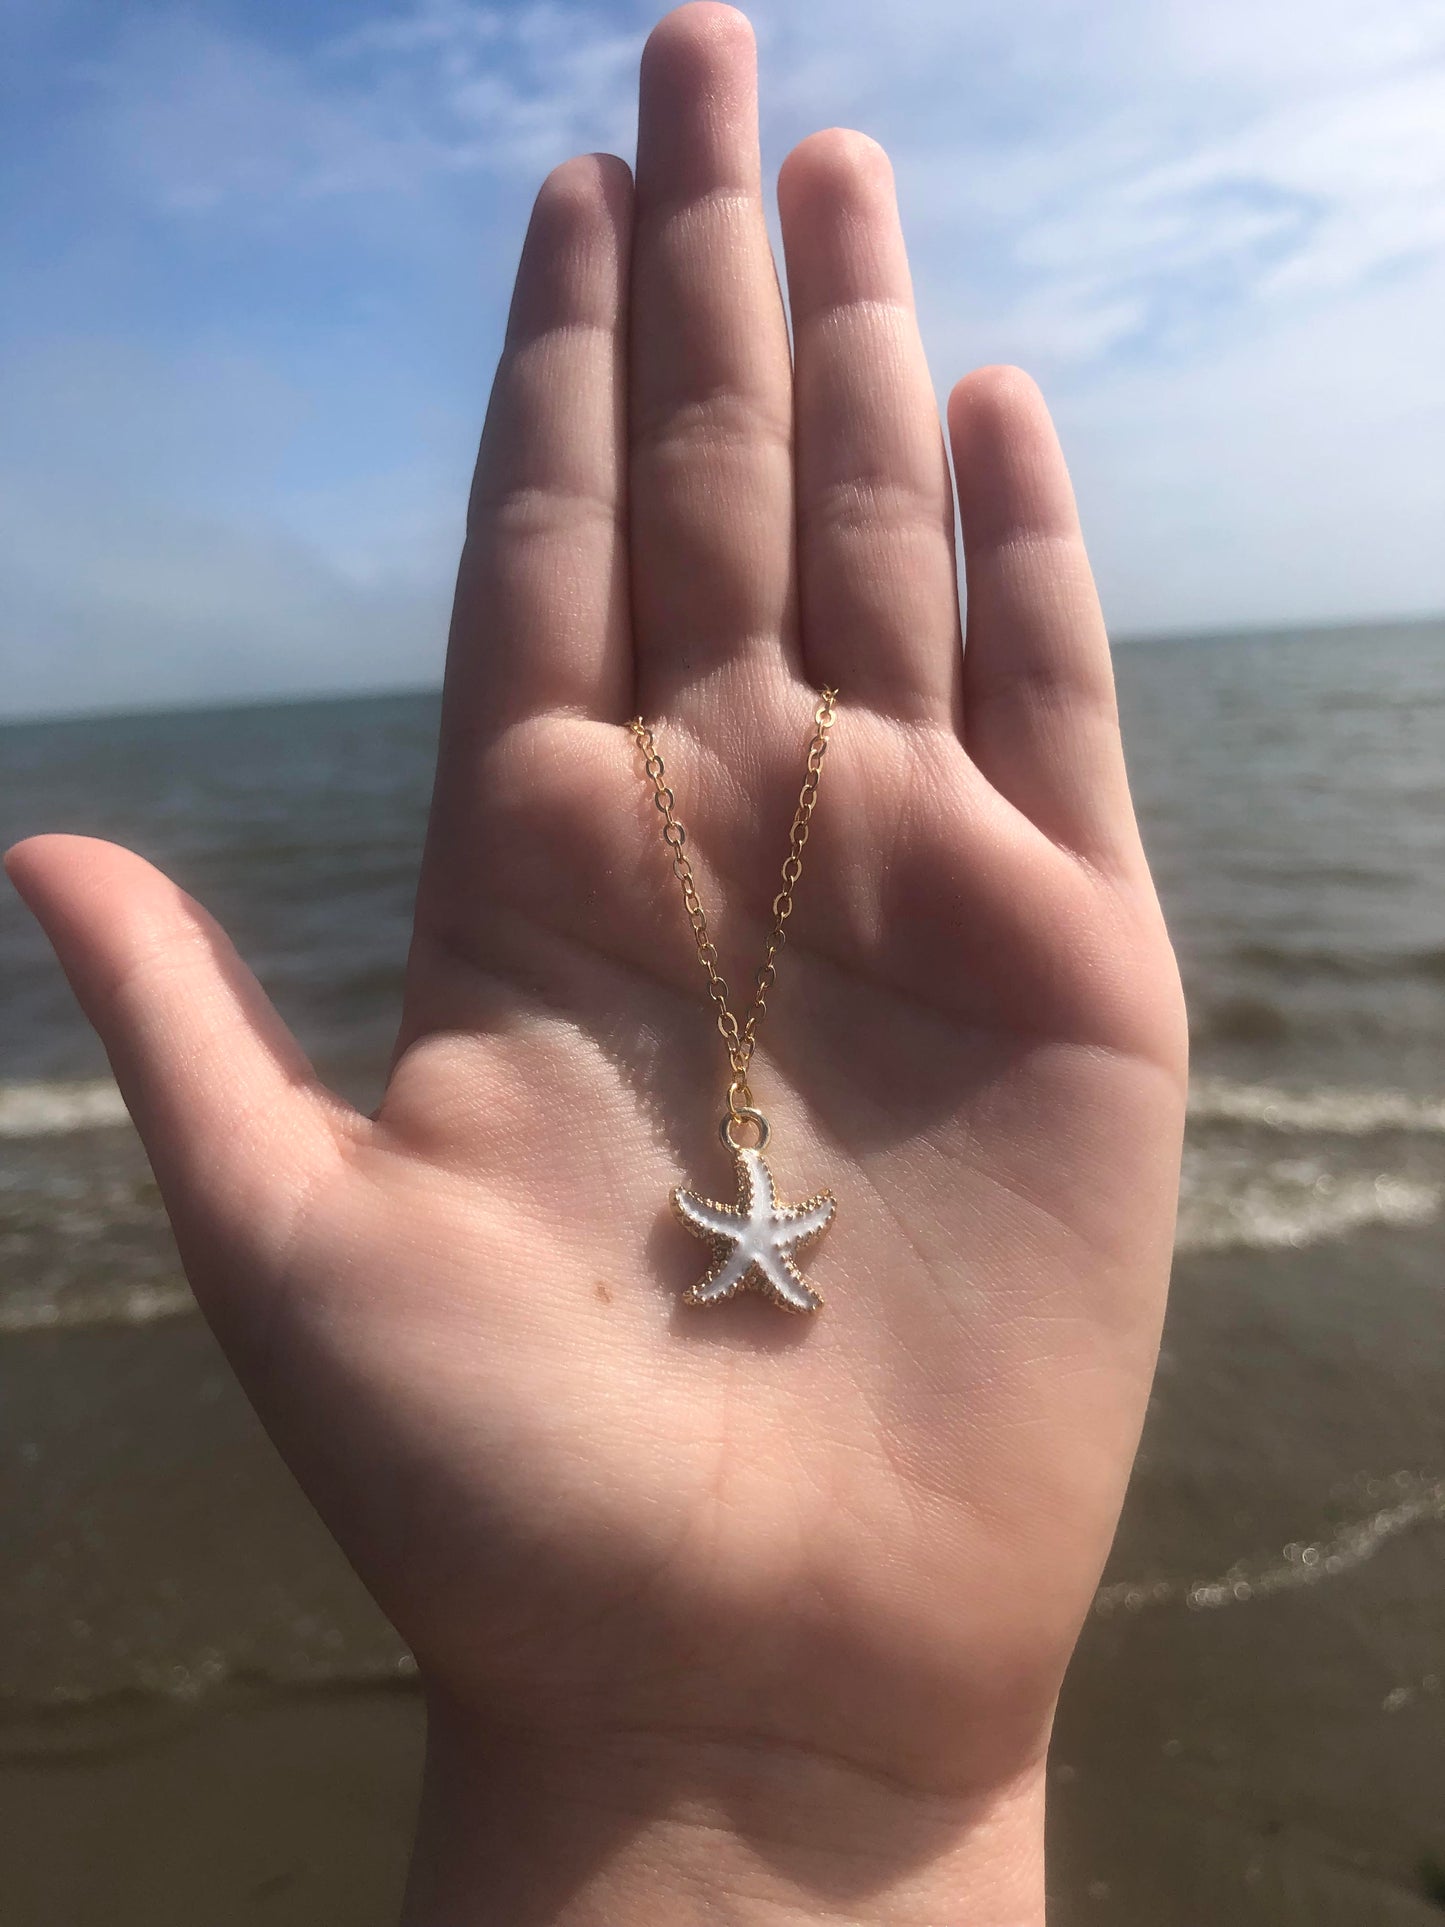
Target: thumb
{"points": [[237, 1126]]}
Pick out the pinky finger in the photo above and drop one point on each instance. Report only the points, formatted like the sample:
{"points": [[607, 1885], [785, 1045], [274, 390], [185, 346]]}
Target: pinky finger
{"points": [[1040, 719]]}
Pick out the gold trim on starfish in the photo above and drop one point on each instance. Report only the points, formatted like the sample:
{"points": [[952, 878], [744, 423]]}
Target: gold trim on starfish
{"points": [[754, 1242]]}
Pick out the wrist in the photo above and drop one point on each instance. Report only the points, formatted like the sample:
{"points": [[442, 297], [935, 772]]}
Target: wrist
{"points": [[582, 1831]]}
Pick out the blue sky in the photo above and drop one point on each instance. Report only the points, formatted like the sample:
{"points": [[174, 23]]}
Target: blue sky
{"points": [[258, 260]]}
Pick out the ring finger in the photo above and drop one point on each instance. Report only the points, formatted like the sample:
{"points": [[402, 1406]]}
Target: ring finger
{"points": [[875, 506]]}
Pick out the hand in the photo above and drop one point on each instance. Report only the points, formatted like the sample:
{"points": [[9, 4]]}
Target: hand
{"points": [[714, 1608]]}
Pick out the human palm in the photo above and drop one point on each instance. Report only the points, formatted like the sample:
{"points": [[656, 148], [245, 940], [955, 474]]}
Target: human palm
{"points": [[866, 1539]]}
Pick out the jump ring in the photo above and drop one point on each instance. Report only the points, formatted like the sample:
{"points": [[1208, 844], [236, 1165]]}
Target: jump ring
{"points": [[744, 1114]]}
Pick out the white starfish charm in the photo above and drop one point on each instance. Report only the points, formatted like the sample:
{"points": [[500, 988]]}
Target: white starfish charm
{"points": [[755, 1243]]}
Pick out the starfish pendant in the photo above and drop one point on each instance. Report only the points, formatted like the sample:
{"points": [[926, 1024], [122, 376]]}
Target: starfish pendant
{"points": [[754, 1244]]}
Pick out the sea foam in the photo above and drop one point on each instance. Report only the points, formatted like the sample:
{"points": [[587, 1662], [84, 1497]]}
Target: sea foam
{"points": [[147, 1304], [1237, 1192], [54, 1110], [1328, 1109], [1412, 1499]]}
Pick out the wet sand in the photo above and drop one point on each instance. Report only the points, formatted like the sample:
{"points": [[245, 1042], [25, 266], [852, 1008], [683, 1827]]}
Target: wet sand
{"points": [[205, 1719], [260, 1810]]}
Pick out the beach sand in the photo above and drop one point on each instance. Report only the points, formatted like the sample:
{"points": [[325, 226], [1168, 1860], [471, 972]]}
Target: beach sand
{"points": [[264, 1810], [205, 1718]]}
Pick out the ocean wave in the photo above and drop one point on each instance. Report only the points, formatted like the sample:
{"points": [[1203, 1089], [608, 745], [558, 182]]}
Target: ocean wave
{"points": [[1349, 966], [54, 1110], [1286, 1206], [1293, 1203], [72, 1310], [1232, 1197], [47, 1110], [1411, 1500], [1328, 1110], [183, 1683]]}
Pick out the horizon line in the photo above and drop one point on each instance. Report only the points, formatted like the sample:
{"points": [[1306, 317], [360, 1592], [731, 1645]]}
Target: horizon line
{"points": [[380, 692]]}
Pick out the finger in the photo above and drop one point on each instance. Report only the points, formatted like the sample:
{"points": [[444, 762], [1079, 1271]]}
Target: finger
{"points": [[878, 574], [232, 1116], [541, 609], [1039, 713], [711, 393]]}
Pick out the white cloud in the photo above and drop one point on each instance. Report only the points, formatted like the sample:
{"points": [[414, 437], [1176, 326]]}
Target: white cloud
{"points": [[1128, 176], [1217, 233], [1102, 176], [205, 118]]}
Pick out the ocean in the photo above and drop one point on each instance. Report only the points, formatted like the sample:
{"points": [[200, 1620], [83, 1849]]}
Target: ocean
{"points": [[1254, 1730]]}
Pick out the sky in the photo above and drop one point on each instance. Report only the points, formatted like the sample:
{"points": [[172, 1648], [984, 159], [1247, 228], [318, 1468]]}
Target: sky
{"points": [[259, 252]]}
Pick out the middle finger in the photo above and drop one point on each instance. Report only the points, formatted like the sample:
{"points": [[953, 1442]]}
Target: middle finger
{"points": [[711, 385]]}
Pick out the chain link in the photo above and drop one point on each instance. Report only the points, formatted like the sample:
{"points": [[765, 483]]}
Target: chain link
{"points": [[740, 1039]]}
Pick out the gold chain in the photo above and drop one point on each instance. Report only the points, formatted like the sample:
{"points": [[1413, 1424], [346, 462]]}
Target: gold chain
{"points": [[740, 1039]]}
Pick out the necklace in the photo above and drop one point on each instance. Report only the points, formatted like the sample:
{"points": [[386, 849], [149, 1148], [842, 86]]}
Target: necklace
{"points": [[757, 1241]]}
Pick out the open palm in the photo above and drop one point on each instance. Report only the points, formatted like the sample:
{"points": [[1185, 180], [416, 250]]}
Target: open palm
{"points": [[866, 1539]]}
